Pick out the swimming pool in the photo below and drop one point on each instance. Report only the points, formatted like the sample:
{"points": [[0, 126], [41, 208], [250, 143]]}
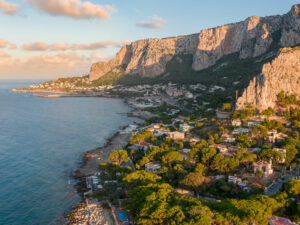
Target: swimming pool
{"points": [[122, 216]]}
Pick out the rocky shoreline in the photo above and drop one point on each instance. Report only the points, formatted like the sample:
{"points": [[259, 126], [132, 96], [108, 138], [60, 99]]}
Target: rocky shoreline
{"points": [[88, 209]]}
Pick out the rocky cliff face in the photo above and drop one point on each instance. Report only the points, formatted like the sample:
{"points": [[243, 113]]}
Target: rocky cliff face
{"points": [[249, 38], [283, 74]]}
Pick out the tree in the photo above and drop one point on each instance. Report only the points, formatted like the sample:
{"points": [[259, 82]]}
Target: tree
{"points": [[226, 106], [195, 181], [293, 188], [267, 154], [141, 177], [291, 152], [248, 159], [201, 169], [137, 139], [268, 112], [296, 124], [260, 132], [118, 157], [201, 144], [180, 145], [155, 204], [199, 125], [245, 140], [171, 157], [218, 163], [206, 154]]}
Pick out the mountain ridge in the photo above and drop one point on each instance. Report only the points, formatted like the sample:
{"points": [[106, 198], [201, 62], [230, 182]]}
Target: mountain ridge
{"points": [[250, 38]]}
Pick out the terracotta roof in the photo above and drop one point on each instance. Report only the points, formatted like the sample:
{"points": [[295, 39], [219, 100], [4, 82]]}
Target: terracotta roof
{"points": [[145, 144], [280, 221]]}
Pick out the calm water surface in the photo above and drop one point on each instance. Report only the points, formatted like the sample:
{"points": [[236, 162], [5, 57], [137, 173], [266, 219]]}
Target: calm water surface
{"points": [[42, 141]]}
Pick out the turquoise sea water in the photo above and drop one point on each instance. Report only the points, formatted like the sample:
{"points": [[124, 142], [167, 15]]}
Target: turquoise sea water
{"points": [[42, 141]]}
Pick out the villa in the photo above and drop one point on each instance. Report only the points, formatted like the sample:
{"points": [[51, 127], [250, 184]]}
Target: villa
{"points": [[153, 167], [221, 148], [178, 136], [222, 114], [265, 167], [236, 122], [93, 183], [280, 221], [253, 123], [184, 153], [274, 136], [145, 146], [184, 127], [241, 130], [228, 138]]}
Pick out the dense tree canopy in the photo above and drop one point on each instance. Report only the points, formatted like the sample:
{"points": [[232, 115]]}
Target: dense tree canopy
{"points": [[118, 157]]}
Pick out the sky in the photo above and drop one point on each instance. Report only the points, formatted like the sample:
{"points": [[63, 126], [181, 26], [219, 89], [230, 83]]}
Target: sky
{"points": [[58, 38]]}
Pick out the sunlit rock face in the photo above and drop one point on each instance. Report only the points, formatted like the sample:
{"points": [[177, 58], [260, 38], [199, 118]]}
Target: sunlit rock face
{"points": [[249, 38], [282, 74]]}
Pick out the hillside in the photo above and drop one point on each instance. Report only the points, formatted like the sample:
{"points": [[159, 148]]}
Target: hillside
{"points": [[207, 56]]}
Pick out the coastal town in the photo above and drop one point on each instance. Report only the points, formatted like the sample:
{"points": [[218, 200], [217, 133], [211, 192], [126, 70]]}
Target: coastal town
{"points": [[150, 113], [205, 154]]}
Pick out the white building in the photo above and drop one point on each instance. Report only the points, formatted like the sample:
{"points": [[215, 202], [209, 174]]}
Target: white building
{"points": [[184, 153], [265, 167], [178, 136], [236, 122], [184, 127], [241, 130], [153, 167], [253, 123]]}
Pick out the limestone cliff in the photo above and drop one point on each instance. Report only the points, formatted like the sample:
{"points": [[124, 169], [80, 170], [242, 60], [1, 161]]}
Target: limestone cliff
{"points": [[283, 74], [249, 38]]}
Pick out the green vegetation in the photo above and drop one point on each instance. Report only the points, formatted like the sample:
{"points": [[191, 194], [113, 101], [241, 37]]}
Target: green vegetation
{"points": [[285, 100], [112, 77], [268, 112], [153, 202], [289, 199], [118, 157], [226, 107], [245, 113]]}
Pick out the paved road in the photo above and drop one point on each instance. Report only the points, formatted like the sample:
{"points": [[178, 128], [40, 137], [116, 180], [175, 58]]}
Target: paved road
{"points": [[275, 187]]}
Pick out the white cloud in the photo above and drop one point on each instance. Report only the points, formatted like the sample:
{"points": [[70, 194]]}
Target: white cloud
{"points": [[98, 56], [41, 46], [73, 8], [36, 46], [4, 55], [6, 44], [3, 43], [155, 23], [7, 8], [58, 47], [56, 65], [94, 46]]}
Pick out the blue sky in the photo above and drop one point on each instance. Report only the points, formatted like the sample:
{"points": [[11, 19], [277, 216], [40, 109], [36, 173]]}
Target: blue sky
{"points": [[32, 23]]}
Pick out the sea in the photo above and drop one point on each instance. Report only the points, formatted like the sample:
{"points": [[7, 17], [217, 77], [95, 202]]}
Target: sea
{"points": [[42, 141]]}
